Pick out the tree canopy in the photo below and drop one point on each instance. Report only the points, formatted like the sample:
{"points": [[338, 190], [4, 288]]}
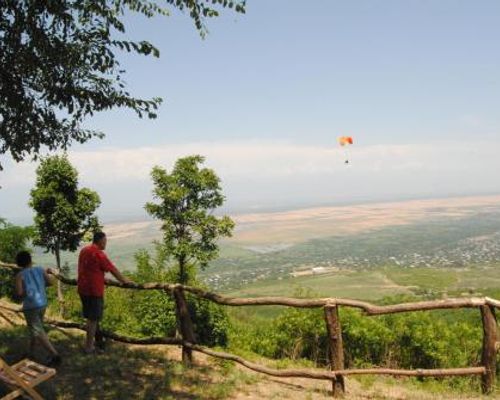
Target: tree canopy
{"points": [[59, 66], [187, 198], [13, 239], [64, 212]]}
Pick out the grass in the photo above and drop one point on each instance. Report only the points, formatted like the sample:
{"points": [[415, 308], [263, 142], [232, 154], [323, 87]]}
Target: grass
{"points": [[365, 285], [446, 279], [424, 278], [228, 250]]}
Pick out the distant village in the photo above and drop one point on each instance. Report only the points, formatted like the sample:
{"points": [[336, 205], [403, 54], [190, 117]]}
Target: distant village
{"points": [[468, 252]]}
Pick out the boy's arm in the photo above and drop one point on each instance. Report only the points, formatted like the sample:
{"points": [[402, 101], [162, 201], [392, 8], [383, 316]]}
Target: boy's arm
{"points": [[19, 285]]}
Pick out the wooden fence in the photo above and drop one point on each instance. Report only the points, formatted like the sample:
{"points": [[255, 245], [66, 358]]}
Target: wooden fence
{"points": [[337, 372]]}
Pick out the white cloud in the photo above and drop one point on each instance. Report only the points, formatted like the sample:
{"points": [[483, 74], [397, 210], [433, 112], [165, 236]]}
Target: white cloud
{"points": [[278, 159], [273, 171]]}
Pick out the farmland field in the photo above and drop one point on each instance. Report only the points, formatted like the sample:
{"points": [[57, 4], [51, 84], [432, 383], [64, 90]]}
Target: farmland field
{"points": [[366, 285], [379, 282]]}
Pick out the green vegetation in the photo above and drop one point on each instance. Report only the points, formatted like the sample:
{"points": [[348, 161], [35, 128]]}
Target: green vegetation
{"points": [[187, 198], [12, 240], [437, 339], [365, 285], [64, 212], [467, 281], [152, 313], [424, 277]]}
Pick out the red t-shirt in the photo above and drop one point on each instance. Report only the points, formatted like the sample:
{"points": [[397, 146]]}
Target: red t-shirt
{"points": [[93, 263]]}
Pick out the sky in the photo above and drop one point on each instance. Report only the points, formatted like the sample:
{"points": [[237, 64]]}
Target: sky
{"points": [[265, 95]]}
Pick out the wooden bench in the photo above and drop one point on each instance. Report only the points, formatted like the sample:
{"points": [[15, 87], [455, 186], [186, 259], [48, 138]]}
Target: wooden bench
{"points": [[22, 377]]}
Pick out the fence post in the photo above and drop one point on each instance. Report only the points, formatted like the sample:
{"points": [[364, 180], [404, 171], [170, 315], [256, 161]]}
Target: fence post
{"points": [[336, 348], [488, 358], [185, 325]]}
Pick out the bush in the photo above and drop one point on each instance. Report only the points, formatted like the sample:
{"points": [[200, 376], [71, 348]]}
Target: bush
{"points": [[211, 323], [407, 341], [367, 340]]}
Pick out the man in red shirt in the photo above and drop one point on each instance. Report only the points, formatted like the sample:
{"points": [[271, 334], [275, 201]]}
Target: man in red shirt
{"points": [[93, 263]]}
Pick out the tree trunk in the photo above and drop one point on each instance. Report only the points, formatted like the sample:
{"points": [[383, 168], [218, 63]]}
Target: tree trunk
{"points": [[489, 353], [182, 270], [185, 325], [60, 295], [336, 348]]}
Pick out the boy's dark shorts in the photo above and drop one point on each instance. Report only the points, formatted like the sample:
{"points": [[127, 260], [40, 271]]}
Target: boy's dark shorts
{"points": [[92, 307], [34, 321]]}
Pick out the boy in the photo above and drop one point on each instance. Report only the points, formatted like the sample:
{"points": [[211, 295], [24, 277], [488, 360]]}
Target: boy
{"points": [[31, 283]]}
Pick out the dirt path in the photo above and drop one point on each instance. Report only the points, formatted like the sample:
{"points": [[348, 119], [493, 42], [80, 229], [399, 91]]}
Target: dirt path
{"points": [[303, 389]]}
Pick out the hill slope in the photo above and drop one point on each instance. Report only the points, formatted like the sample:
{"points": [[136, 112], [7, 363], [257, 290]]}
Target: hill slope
{"points": [[129, 372]]}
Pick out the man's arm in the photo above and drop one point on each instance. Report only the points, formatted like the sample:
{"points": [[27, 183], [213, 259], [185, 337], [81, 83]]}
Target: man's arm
{"points": [[49, 279], [19, 285], [119, 276], [108, 266]]}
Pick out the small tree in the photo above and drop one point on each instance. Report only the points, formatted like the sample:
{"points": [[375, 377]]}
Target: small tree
{"points": [[187, 198], [12, 240], [64, 213]]}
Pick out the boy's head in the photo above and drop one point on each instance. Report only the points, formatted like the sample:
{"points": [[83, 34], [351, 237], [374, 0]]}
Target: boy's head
{"points": [[23, 259], [99, 240]]}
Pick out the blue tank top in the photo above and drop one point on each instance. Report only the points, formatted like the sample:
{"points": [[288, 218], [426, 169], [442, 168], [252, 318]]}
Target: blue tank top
{"points": [[34, 288]]}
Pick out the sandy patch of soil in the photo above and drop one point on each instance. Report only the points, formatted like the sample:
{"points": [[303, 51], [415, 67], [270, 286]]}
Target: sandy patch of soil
{"points": [[301, 225]]}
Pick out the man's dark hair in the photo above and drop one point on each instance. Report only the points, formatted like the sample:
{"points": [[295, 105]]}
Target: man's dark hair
{"points": [[98, 236], [23, 259]]}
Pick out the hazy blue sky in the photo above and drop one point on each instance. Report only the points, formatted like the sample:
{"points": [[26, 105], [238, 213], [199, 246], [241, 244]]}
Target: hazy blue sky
{"points": [[264, 96]]}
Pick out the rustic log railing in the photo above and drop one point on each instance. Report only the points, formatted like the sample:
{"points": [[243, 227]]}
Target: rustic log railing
{"points": [[337, 372]]}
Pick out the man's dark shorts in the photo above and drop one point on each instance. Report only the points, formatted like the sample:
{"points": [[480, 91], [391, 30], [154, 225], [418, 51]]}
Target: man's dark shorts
{"points": [[92, 307]]}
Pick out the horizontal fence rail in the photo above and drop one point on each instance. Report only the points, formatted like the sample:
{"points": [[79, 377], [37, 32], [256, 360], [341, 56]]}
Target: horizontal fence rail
{"points": [[368, 308], [486, 305]]}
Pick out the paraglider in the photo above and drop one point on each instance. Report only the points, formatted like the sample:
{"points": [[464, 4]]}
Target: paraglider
{"points": [[345, 142]]}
